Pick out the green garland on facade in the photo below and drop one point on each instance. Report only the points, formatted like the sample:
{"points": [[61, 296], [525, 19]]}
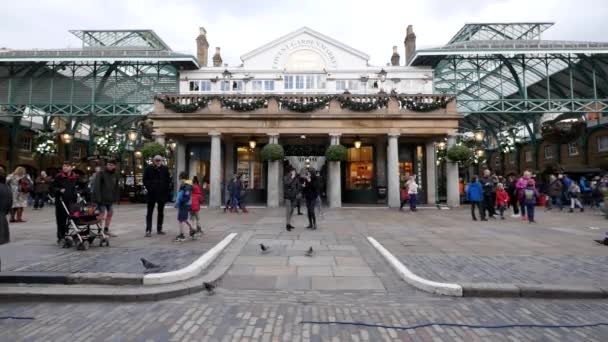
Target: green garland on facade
{"points": [[423, 106], [45, 143], [310, 106], [356, 106], [184, 108], [244, 106]]}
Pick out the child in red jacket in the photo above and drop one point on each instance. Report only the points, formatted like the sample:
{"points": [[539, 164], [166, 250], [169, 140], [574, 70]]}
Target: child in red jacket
{"points": [[502, 200], [197, 199]]}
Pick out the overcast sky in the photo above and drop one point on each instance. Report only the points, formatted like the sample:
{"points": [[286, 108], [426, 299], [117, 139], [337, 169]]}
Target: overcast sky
{"points": [[239, 26]]}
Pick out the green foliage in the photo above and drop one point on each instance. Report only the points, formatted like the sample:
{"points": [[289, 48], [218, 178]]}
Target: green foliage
{"points": [[184, 108], [459, 153], [336, 153], [356, 106], [45, 143], [241, 106], [310, 106], [151, 149], [423, 106], [273, 152]]}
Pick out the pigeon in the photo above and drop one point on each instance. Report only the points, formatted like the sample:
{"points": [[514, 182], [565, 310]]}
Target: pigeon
{"points": [[265, 249], [210, 288], [309, 252], [148, 265]]}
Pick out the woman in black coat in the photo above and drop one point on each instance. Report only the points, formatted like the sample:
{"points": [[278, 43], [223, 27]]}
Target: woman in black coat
{"points": [[6, 203], [310, 188]]}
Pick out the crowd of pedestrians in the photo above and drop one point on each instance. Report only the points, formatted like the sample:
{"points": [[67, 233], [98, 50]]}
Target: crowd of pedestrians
{"points": [[491, 195]]}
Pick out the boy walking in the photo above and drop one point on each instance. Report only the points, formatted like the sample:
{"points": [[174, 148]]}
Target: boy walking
{"points": [[502, 200], [183, 203], [474, 196]]}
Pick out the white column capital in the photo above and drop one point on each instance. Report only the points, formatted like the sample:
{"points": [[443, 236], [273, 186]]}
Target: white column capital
{"points": [[394, 135], [273, 138], [215, 134], [335, 134]]}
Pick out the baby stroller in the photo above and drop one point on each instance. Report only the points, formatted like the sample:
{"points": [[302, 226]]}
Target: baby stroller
{"points": [[84, 227]]}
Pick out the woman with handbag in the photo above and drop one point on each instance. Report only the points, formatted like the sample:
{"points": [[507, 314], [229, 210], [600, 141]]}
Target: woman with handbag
{"points": [[20, 184]]}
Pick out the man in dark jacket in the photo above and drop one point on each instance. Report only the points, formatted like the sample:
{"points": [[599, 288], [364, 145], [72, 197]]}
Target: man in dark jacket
{"points": [[6, 204], [105, 192], [156, 181], [489, 194], [555, 190], [64, 190], [291, 188]]}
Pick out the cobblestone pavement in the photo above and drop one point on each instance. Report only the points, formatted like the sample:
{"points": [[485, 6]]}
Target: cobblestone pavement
{"points": [[255, 315]]}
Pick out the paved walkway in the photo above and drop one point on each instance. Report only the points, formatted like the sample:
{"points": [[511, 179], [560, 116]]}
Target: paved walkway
{"points": [[442, 245], [266, 297]]}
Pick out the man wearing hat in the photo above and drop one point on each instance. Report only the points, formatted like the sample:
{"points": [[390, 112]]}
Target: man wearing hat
{"points": [[156, 181]]}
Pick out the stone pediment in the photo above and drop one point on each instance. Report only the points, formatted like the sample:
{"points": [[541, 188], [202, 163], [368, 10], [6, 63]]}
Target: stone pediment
{"points": [[305, 50]]}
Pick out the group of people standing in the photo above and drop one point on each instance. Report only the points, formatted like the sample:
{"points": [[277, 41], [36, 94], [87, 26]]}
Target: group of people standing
{"points": [[492, 194]]}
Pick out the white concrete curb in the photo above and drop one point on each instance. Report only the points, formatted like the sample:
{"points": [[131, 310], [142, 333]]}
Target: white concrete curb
{"points": [[445, 289], [191, 270]]}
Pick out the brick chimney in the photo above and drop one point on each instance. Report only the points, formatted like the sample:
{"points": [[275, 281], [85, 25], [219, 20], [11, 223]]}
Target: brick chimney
{"points": [[395, 57], [410, 44], [202, 48], [217, 59]]}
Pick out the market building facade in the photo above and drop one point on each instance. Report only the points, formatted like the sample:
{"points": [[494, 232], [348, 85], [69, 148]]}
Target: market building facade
{"points": [[306, 91]]}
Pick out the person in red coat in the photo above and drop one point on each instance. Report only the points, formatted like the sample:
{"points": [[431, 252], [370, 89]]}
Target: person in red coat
{"points": [[197, 199], [502, 200]]}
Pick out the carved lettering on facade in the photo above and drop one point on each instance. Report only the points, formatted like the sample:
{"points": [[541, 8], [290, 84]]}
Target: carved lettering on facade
{"points": [[296, 44]]}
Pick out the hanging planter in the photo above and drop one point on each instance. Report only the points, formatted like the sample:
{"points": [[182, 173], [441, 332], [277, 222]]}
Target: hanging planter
{"points": [[272, 152], [151, 149], [562, 131], [45, 144], [459, 154], [336, 153]]}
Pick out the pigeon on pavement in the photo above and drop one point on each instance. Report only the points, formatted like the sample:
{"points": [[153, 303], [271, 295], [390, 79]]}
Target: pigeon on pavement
{"points": [[148, 265], [265, 249], [309, 252]]}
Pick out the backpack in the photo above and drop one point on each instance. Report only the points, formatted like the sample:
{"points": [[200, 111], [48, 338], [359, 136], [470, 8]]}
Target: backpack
{"points": [[24, 185], [529, 196], [187, 196]]}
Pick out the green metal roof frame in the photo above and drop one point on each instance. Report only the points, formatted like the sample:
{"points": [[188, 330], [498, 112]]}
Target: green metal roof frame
{"points": [[504, 75], [121, 38]]}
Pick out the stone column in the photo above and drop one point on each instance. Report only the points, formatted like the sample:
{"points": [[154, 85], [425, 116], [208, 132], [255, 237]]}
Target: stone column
{"points": [[160, 138], [334, 182], [180, 162], [392, 171], [451, 170], [380, 152], [431, 173], [215, 172], [274, 180]]}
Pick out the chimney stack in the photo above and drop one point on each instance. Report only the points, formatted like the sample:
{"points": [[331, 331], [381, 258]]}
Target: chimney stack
{"points": [[395, 57], [410, 44], [202, 48], [217, 59]]}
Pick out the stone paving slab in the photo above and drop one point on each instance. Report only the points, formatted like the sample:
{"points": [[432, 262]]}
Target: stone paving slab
{"points": [[346, 283], [307, 271]]}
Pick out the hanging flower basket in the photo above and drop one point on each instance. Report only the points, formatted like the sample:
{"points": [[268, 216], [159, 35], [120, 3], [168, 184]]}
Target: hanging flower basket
{"points": [[45, 144], [151, 149], [272, 152], [336, 153], [459, 153], [562, 132]]}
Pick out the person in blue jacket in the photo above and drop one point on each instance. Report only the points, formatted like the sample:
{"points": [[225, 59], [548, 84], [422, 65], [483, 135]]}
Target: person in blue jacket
{"points": [[474, 196]]}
